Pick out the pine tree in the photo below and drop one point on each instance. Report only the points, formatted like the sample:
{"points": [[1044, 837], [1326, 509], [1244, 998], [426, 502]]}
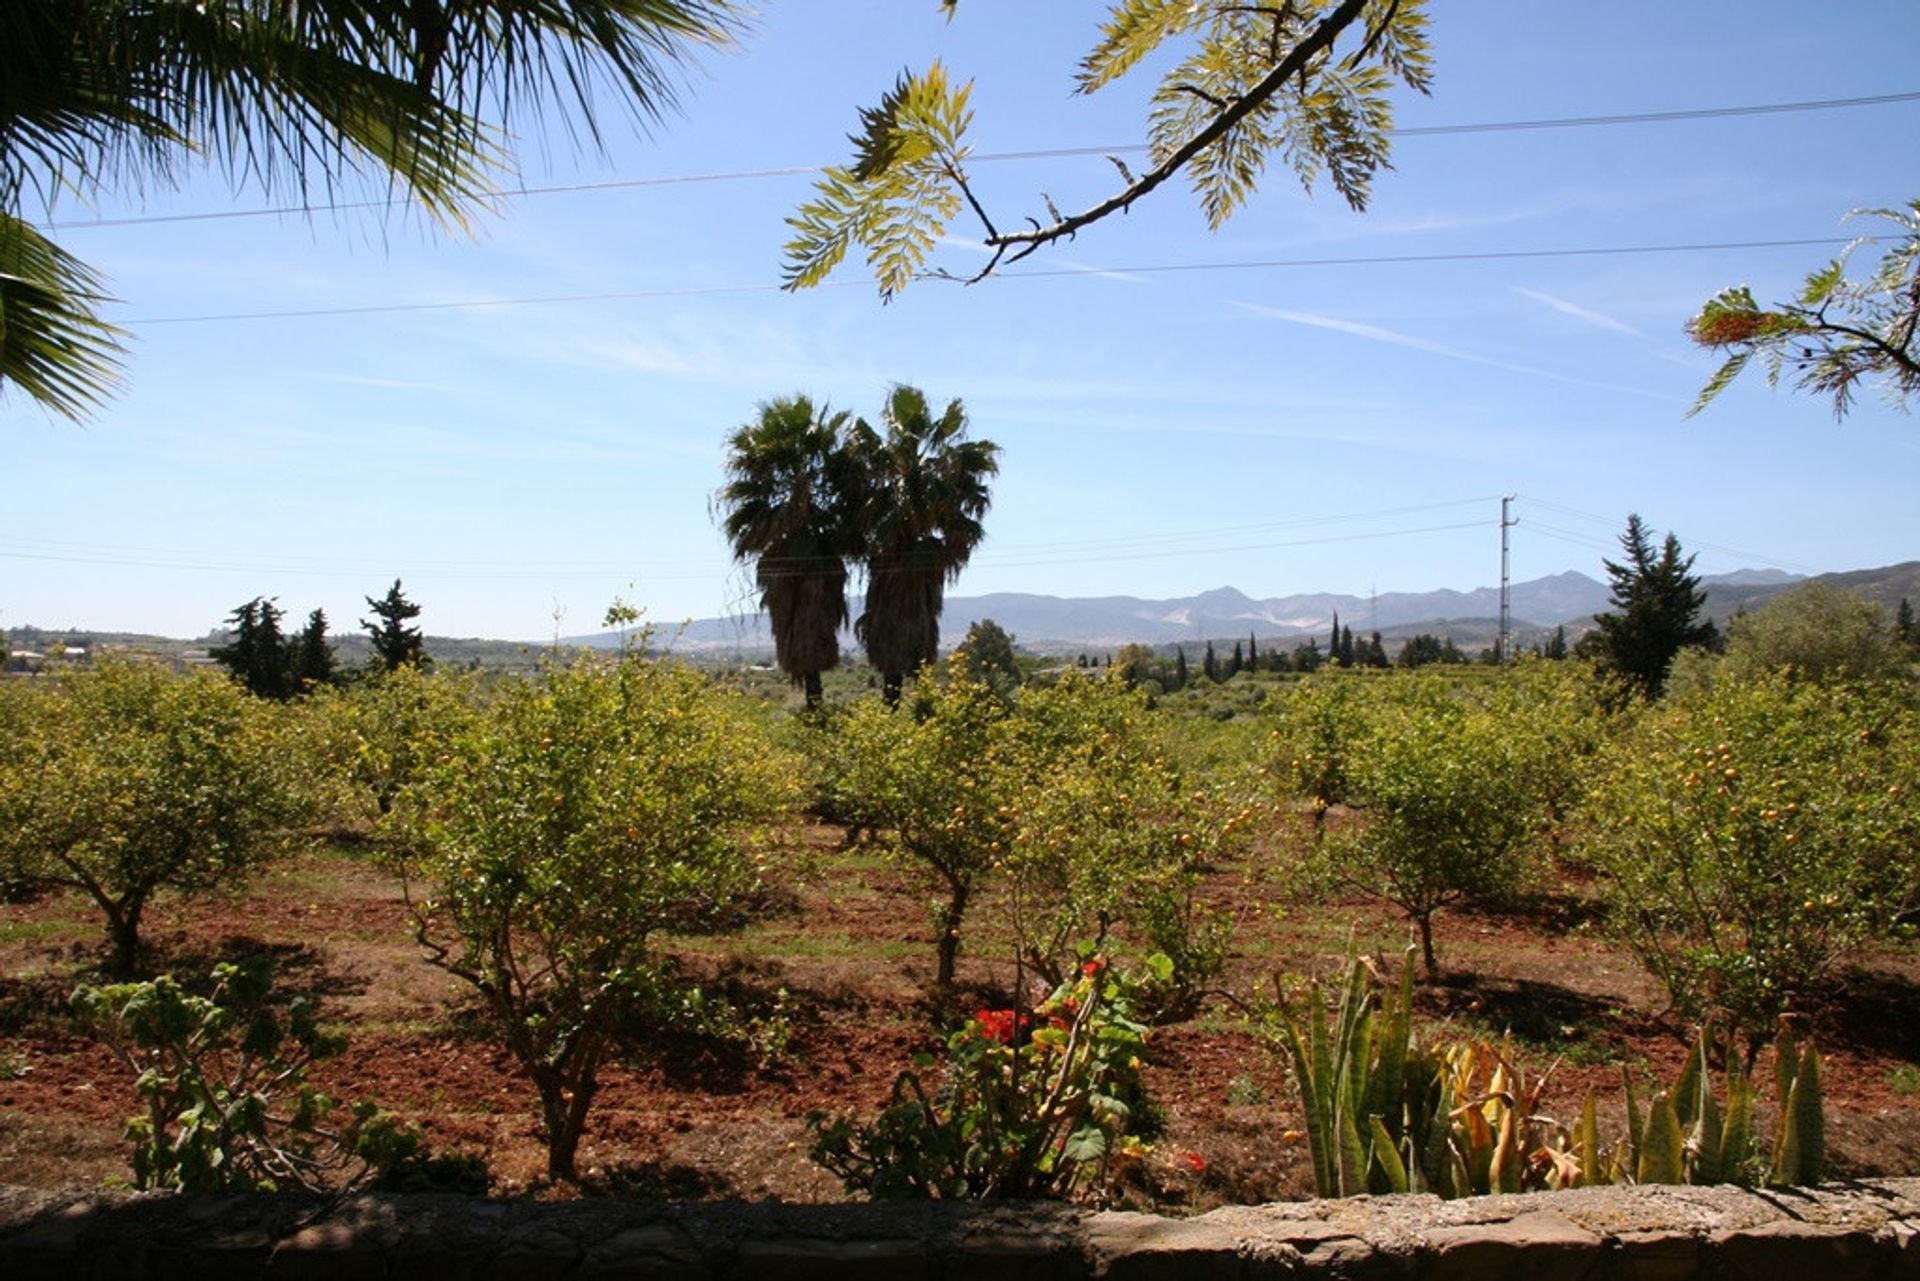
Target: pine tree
{"points": [[257, 656], [1557, 647], [1903, 627], [394, 643], [1658, 600], [310, 657]]}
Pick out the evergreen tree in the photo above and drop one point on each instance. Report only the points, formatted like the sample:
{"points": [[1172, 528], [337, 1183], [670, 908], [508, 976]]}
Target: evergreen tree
{"points": [[1557, 647], [1420, 651], [310, 657], [1374, 652], [395, 644], [1346, 647], [1658, 600], [1307, 656], [1179, 667], [1237, 662], [1903, 628], [987, 653], [257, 655], [1333, 641], [1210, 665], [1253, 653]]}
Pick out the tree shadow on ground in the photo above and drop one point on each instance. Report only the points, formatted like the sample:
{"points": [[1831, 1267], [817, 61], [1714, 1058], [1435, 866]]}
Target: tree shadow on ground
{"points": [[298, 969], [1545, 1016], [1873, 1011], [658, 1181]]}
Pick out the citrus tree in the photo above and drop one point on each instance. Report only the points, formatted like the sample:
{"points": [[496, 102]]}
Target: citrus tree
{"points": [[1110, 836], [125, 780], [935, 776], [581, 814], [1750, 837], [377, 736], [1445, 810]]}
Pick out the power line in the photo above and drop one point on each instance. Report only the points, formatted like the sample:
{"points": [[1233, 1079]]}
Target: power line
{"points": [[1262, 264], [1035, 554], [1614, 523], [1050, 153]]}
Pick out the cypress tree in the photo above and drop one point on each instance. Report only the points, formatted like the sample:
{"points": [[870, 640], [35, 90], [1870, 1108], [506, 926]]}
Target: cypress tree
{"points": [[1209, 665], [1333, 641], [1903, 629], [311, 657], [257, 656], [1179, 667], [1237, 662], [1346, 647], [1557, 647], [1253, 653]]}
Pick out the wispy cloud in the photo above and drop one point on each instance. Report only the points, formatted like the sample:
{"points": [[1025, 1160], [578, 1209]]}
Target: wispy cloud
{"points": [[1597, 319], [1377, 333]]}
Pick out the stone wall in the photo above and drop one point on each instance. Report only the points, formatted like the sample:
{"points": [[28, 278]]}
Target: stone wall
{"points": [[1852, 1232]]}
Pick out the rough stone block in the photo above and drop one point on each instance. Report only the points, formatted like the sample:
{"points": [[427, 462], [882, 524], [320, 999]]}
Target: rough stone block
{"points": [[1522, 1248]]}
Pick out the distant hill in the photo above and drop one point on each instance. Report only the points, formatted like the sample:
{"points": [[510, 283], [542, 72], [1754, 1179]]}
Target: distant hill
{"points": [[1470, 618], [1064, 624]]}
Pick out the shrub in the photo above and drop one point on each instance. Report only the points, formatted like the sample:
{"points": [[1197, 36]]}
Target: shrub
{"points": [[1749, 838], [581, 814], [1046, 1103], [229, 1107], [125, 780]]}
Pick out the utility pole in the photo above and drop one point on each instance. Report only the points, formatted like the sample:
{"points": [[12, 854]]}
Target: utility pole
{"points": [[1502, 646]]}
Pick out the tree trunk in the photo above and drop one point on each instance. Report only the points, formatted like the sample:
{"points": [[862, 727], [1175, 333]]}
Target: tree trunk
{"points": [[564, 1114], [890, 688], [949, 926], [123, 931], [813, 691], [1426, 947]]}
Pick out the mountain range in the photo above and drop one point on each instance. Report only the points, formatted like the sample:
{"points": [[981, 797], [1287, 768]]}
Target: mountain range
{"points": [[1055, 623]]}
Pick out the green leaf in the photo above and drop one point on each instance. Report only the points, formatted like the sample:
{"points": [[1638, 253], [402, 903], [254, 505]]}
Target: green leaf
{"points": [[1087, 1144], [1820, 285], [1386, 1156], [1662, 1150]]}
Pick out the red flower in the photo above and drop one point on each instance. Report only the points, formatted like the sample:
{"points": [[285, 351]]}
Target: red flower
{"points": [[1196, 1163], [1093, 967], [996, 1025]]}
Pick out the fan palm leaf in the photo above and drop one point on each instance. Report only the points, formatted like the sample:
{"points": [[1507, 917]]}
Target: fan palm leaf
{"points": [[925, 491], [785, 507], [415, 99]]}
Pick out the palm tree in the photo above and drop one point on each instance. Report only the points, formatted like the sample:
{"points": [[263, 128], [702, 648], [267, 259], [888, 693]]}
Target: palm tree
{"points": [[924, 491], [417, 99], [787, 507]]}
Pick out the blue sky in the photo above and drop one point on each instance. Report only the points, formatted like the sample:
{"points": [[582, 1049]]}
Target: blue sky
{"points": [[1341, 426]]}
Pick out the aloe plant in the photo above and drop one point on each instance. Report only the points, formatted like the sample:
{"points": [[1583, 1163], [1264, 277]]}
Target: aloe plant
{"points": [[1461, 1118], [1352, 1078]]}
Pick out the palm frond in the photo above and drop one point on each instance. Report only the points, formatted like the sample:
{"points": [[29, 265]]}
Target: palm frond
{"points": [[53, 345]]}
